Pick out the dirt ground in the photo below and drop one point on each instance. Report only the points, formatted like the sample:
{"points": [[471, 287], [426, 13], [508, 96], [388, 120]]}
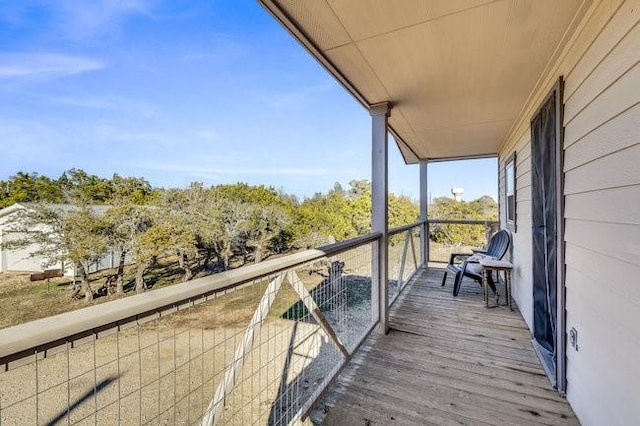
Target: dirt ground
{"points": [[22, 300], [166, 372]]}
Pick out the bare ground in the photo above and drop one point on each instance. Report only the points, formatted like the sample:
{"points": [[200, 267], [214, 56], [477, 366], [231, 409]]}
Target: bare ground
{"points": [[167, 371]]}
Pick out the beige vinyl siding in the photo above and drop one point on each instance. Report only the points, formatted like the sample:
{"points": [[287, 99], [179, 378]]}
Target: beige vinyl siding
{"points": [[521, 253], [601, 67]]}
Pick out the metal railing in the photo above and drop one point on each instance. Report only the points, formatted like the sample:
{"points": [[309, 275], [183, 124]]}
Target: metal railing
{"points": [[448, 236], [255, 345]]}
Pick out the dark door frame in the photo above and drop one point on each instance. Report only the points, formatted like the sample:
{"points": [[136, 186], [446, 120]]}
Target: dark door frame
{"points": [[559, 379]]}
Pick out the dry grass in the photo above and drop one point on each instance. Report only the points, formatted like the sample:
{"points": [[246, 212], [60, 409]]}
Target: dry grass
{"points": [[165, 371], [22, 300], [172, 366]]}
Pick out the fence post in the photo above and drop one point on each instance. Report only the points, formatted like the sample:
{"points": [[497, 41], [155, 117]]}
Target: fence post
{"points": [[379, 215], [424, 228]]}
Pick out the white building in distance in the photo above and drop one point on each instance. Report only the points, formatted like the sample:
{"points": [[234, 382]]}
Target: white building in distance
{"points": [[22, 260]]}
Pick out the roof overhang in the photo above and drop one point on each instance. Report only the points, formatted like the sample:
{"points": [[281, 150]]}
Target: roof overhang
{"points": [[457, 72]]}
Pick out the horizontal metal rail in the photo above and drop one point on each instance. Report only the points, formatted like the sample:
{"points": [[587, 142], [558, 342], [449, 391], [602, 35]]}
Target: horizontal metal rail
{"points": [[45, 334], [448, 236], [399, 229], [462, 222]]}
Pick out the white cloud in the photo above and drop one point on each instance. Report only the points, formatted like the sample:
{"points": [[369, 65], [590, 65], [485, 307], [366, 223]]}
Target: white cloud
{"points": [[113, 103], [80, 19], [44, 66], [294, 97]]}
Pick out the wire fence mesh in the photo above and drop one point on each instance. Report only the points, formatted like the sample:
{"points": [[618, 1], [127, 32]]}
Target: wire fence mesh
{"points": [[405, 257], [256, 353]]}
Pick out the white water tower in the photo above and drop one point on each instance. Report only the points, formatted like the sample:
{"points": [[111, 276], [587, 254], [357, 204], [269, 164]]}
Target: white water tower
{"points": [[457, 193]]}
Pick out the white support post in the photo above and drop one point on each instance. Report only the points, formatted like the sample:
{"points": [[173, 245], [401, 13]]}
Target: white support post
{"points": [[424, 201], [379, 215]]}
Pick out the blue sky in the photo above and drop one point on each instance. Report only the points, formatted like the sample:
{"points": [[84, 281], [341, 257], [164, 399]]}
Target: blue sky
{"points": [[179, 91]]}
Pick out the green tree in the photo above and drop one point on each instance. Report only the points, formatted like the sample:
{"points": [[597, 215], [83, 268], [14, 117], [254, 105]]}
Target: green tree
{"points": [[80, 187], [75, 235], [183, 238], [201, 208], [402, 210], [484, 208], [164, 233], [324, 219], [360, 200], [265, 223], [125, 218], [153, 242], [29, 188], [232, 217], [262, 224], [131, 190], [125, 222]]}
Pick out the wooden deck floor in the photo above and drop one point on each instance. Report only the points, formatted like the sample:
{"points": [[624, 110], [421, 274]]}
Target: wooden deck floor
{"points": [[447, 361]]}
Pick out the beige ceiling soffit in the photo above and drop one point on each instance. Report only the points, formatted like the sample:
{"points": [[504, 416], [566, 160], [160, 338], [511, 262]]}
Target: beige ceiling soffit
{"points": [[287, 22], [464, 157], [413, 130], [400, 141], [420, 22], [386, 108], [578, 22]]}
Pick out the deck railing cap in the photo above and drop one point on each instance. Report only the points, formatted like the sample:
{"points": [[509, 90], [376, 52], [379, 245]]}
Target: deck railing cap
{"points": [[18, 340]]}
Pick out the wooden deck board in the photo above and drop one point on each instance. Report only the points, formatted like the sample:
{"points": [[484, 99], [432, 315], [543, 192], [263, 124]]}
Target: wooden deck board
{"points": [[446, 361]]}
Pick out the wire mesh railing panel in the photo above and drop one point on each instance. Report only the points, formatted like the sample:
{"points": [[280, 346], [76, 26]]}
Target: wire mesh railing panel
{"points": [[404, 259], [259, 352], [352, 313], [456, 236], [414, 255], [316, 333], [395, 254]]}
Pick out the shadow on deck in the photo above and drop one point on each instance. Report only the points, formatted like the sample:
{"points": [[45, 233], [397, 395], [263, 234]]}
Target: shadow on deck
{"points": [[446, 360]]}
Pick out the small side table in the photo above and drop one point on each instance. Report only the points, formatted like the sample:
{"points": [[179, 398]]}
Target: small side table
{"points": [[497, 265]]}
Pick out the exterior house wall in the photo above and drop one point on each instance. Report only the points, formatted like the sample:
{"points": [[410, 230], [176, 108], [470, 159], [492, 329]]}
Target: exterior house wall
{"points": [[601, 68], [20, 260]]}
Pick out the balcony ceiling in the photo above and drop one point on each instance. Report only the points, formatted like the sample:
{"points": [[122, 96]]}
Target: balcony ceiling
{"points": [[457, 72]]}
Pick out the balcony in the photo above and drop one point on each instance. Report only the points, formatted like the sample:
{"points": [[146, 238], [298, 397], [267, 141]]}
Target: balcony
{"points": [[264, 344], [445, 361]]}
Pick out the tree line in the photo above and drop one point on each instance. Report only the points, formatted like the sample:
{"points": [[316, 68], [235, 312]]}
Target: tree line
{"points": [[78, 217], [484, 208]]}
